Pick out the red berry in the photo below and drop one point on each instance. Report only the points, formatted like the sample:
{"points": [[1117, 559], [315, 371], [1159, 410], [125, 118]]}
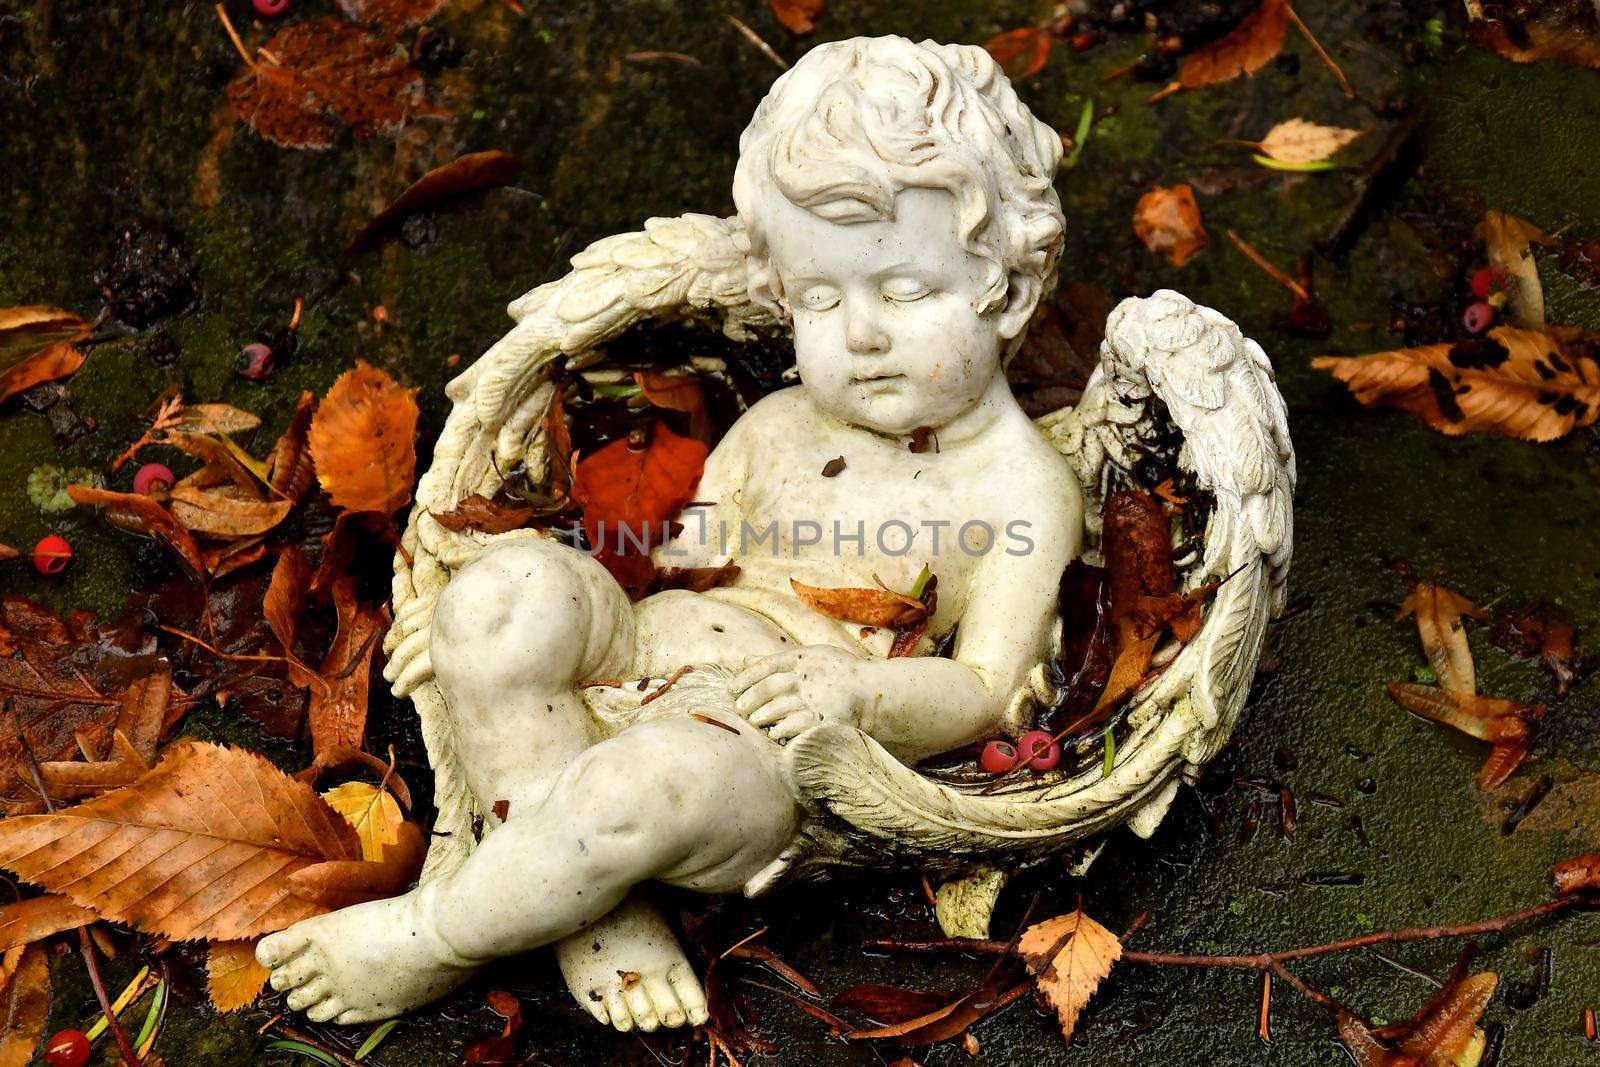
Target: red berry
{"points": [[152, 474], [270, 8], [1040, 750], [255, 362], [1486, 280], [999, 757], [1477, 317], [69, 1048], [51, 554]]}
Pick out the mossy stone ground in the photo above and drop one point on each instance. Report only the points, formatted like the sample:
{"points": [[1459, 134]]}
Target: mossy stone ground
{"points": [[114, 115]]}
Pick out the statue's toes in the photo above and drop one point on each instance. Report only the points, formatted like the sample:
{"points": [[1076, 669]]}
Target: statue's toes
{"points": [[595, 1005], [617, 1011], [296, 973], [690, 995], [305, 996], [277, 949], [325, 1009], [639, 1005], [665, 1001]]}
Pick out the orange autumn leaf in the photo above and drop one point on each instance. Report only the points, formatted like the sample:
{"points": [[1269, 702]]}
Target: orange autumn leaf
{"points": [[678, 392], [1168, 222], [1506, 724], [1021, 53], [1528, 33], [226, 511], [1536, 385], [478, 512], [24, 1003], [1444, 1033], [36, 345], [628, 494], [338, 712], [1069, 957], [140, 514], [326, 75], [285, 602], [289, 466], [361, 440], [1577, 873], [797, 16], [465, 174], [391, 15], [204, 846], [1443, 635], [233, 977], [1250, 46], [33, 920], [869, 607]]}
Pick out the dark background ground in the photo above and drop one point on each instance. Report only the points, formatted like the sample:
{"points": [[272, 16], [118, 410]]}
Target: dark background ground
{"points": [[114, 115]]}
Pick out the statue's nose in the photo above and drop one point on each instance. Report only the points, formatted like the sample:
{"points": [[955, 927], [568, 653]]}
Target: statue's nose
{"points": [[863, 336]]}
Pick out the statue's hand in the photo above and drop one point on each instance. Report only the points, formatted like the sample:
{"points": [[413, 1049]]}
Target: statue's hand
{"points": [[790, 692]]}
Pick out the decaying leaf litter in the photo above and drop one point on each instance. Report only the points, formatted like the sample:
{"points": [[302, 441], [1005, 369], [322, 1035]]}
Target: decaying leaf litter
{"points": [[231, 489]]}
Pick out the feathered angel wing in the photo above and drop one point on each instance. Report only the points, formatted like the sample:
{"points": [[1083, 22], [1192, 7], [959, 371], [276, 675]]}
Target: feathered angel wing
{"points": [[676, 268], [1166, 363]]}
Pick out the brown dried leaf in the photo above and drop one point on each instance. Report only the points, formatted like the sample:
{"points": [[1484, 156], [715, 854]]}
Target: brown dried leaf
{"points": [[678, 392], [229, 556], [1506, 724], [797, 16], [1576, 873], [1507, 240], [391, 15], [1531, 384], [226, 512], [205, 846], [233, 977], [33, 920], [1070, 956], [869, 607], [478, 512], [1443, 636], [329, 75], [285, 602], [24, 1003], [1444, 1033], [942, 1024], [1021, 53], [1251, 45], [890, 1005], [1168, 222], [36, 345], [141, 515], [1544, 632], [695, 579], [361, 440], [1526, 33], [289, 466], [339, 705], [340, 883], [226, 463], [70, 779], [502, 1047], [466, 174], [216, 419]]}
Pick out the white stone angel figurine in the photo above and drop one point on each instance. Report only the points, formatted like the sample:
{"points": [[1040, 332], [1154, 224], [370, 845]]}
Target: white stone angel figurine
{"points": [[896, 210]]}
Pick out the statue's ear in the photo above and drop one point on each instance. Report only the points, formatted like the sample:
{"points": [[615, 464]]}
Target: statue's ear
{"points": [[1022, 296]]}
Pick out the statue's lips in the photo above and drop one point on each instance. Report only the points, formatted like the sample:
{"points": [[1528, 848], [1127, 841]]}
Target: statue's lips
{"points": [[879, 379]]}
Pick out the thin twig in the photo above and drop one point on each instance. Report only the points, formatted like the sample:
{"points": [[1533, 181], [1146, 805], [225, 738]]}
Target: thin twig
{"points": [[755, 38], [1304, 990], [668, 684], [233, 35], [86, 946], [669, 57], [239, 656], [1322, 53], [1266, 264]]}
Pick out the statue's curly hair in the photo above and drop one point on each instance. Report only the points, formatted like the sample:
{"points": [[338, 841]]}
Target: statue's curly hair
{"points": [[855, 122]]}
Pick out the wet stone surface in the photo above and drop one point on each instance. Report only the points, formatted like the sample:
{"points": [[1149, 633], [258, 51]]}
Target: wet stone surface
{"points": [[130, 186]]}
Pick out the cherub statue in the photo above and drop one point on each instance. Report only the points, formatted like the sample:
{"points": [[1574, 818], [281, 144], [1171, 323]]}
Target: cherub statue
{"points": [[896, 208]]}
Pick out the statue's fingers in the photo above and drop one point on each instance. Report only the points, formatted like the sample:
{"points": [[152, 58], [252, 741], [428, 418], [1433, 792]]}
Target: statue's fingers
{"points": [[795, 725], [761, 668], [774, 685], [777, 710]]}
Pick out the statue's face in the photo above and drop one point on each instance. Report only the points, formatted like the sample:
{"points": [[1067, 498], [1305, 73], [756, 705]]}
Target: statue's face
{"points": [[886, 334]]}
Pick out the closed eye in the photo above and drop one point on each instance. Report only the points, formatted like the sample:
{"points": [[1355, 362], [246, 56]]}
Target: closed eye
{"points": [[820, 298], [905, 290]]}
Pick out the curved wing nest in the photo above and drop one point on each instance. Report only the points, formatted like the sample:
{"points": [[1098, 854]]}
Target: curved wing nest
{"points": [[679, 268], [1165, 362]]}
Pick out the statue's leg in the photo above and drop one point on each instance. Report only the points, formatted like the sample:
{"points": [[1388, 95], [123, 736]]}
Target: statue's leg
{"points": [[679, 800]]}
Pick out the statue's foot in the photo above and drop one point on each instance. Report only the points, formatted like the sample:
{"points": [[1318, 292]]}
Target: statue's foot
{"points": [[628, 970], [358, 965]]}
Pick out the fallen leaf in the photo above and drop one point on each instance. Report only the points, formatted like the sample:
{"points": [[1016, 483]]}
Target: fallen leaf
{"points": [[37, 345], [233, 977], [1506, 724], [1251, 45], [391, 15], [229, 556], [1168, 222], [205, 846], [1443, 635], [290, 469], [285, 603], [33, 920], [502, 1047], [628, 494], [478, 512], [216, 418], [362, 441], [1507, 240], [1530, 384], [1577, 873], [466, 174], [329, 75], [1299, 141], [797, 16], [140, 514], [869, 607], [340, 883], [1069, 956], [678, 392], [1527, 33], [24, 1003], [944, 1023], [338, 711], [1088, 645], [890, 1005], [226, 512], [1544, 632], [70, 779], [225, 463], [1444, 1033], [695, 579], [372, 812], [1021, 53]]}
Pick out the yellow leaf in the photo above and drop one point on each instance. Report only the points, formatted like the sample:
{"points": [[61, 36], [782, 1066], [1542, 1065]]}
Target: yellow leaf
{"points": [[373, 812], [233, 977], [1299, 141], [1070, 956]]}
